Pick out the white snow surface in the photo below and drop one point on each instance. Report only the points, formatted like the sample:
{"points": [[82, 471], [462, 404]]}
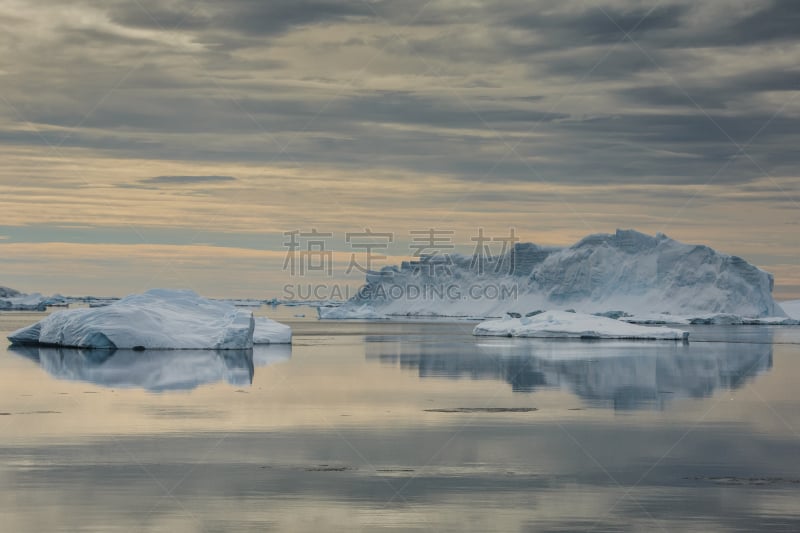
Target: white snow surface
{"points": [[791, 308], [156, 319], [347, 312], [625, 271], [563, 324], [268, 331]]}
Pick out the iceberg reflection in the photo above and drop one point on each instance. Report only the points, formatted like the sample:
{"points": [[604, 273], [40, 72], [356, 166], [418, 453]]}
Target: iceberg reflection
{"points": [[627, 375], [154, 370]]}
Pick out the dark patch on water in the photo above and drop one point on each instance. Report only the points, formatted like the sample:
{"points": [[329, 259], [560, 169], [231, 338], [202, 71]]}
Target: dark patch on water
{"points": [[32, 413], [748, 481], [483, 410], [327, 468]]}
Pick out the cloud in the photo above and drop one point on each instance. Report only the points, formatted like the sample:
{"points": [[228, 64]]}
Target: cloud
{"points": [[776, 20], [387, 111], [597, 25], [248, 16], [180, 180]]}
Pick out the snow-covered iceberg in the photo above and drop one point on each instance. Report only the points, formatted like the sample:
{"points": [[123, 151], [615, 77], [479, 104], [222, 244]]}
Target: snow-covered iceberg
{"points": [[268, 331], [627, 271], [156, 319], [563, 324]]}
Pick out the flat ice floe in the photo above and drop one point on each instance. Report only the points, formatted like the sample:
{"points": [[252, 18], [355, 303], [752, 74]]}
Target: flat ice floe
{"points": [[564, 324], [268, 331], [156, 319]]}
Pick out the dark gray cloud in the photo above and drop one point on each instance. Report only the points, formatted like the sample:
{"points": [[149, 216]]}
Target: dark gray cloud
{"points": [[600, 24], [774, 20], [422, 87], [717, 93], [249, 16], [660, 25]]}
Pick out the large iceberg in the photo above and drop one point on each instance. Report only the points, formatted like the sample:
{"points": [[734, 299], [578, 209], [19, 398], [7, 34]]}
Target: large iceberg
{"points": [[626, 271], [565, 324], [156, 319]]}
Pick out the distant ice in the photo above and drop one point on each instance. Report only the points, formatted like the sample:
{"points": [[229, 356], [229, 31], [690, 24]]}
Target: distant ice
{"points": [[23, 302], [242, 302], [717, 319], [8, 292], [347, 312], [563, 324]]}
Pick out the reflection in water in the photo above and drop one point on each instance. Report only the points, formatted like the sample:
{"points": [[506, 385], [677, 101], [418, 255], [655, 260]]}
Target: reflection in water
{"points": [[154, 370], [269, 354], [630, 375], [344, 443]]}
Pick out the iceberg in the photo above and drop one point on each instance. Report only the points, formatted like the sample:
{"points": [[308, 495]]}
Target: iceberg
{"points": [[268, 331], [156, 319], [564, 324], [624, 272]]}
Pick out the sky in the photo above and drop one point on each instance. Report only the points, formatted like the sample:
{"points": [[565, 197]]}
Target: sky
{"points": [[174, 143]]}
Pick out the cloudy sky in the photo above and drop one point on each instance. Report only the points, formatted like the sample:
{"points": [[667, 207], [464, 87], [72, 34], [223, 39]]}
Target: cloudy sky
{"points": [[172, 143]]}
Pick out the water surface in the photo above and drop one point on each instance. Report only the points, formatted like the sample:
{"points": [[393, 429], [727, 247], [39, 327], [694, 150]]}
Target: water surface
{"points": [[405, 426]]}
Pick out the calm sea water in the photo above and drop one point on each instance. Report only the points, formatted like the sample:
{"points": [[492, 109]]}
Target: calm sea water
{"points": [[363, 426]]}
